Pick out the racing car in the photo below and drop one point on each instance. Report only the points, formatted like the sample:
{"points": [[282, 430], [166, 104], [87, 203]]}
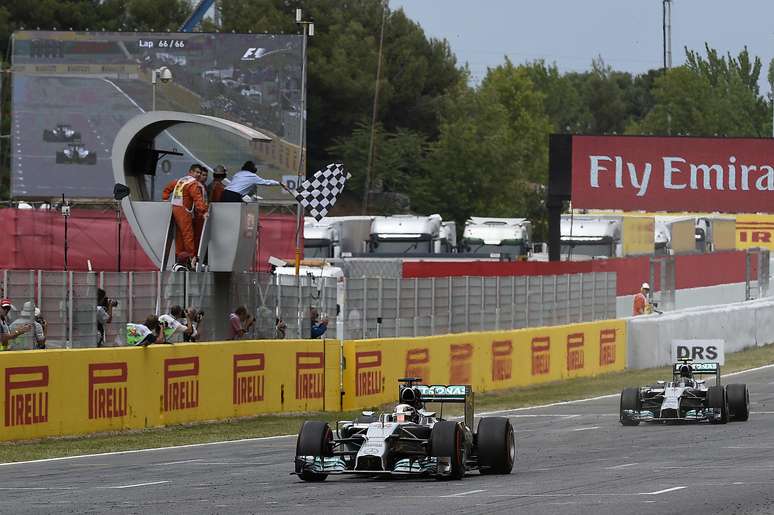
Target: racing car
{"points": [[76, 153], [686, 398], [409, 440], [61, 132]]}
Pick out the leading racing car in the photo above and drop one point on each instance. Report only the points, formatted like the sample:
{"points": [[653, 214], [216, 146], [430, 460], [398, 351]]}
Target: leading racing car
{"points": [[61, 132], [410, 440], [686, 398], [75, 153]]}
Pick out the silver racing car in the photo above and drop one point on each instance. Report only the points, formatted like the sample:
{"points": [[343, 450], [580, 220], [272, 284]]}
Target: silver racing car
{"points": [[686, 398], [410, 440]]}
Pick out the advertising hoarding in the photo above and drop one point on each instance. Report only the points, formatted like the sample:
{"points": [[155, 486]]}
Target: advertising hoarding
{"points": [[731, 175]]}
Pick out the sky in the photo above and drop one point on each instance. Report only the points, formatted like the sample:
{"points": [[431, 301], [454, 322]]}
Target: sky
{"points": [[627, 34]]}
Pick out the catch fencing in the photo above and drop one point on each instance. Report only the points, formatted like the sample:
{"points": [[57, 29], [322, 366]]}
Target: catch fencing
{"points": [[357, 308]]}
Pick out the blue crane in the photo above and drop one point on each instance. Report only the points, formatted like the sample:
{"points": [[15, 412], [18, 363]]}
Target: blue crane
{"points": [[196, 16]]}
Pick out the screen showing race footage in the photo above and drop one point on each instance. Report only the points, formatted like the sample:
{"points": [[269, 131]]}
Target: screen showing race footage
{"points": [[73, 91]]}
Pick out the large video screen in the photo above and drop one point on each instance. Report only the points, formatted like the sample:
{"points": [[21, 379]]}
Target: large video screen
{"points": [[73, 91]]}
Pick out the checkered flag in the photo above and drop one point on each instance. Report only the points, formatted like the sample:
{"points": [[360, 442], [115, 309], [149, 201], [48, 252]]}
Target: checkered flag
{"points": [[321, 192]]}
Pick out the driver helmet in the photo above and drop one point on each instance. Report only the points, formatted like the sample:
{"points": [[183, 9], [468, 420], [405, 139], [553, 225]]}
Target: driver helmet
{"points": [[686, 374], [405, 413]]}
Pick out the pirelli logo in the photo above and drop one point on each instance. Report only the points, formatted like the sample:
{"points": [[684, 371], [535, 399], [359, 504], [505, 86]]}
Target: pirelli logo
{"points": [[108, 390], [26, 396], [755, 232], [181, 383], [575, 343], [249, 380], [607, 345], [541, 355], [502, 360], [368, 373], [418, 363], [460, 363], [310, 367]]}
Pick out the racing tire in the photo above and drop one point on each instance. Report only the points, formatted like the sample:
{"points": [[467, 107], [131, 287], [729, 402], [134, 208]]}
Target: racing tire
{"points": [[630, 400], [60, 158], [716, 398], [446, 442], [48, 135], [314, 439], [496, 446], [91, 159], [738, 398]]}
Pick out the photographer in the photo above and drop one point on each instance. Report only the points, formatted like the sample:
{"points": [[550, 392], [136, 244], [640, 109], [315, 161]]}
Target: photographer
{"points": [[41, 329], [175, 325], [105, 307], [195, 316], [239, 323], [146, 333]]}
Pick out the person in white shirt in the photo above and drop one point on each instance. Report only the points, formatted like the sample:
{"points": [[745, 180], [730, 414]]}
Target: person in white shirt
{"points": [[245, 182], [175, 326]]}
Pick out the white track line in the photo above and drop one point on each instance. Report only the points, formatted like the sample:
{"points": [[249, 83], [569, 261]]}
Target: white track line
{"points": [[674, 488], [135, 485], [242, 440], [462, 493], [616, 467]]}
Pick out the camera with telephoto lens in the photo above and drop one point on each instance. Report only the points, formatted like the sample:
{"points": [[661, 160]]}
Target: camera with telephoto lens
{"points": [[112, 302]]}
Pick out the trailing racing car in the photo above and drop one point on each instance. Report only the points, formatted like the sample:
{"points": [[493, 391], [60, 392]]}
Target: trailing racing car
{"points": [[410, 440], [62, 132], [686, 398], [76, 153]]}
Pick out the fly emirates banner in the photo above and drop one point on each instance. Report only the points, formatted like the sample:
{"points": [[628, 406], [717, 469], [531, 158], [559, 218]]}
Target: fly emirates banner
{"points": [[732, 175]]}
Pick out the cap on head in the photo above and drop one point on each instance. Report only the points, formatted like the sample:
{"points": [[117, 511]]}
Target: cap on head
{"points": [[28, 309], [219, 171], [6, 303], [645, 286]]}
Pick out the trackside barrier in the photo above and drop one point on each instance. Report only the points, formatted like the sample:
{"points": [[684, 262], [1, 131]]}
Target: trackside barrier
{"points": [[741, 325], [488, 361], [69, 392], [78, 391]]}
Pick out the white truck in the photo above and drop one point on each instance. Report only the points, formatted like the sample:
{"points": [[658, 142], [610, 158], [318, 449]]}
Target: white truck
{"points": [[507, 238], [586, 237], [336, 236], [401, 235]]}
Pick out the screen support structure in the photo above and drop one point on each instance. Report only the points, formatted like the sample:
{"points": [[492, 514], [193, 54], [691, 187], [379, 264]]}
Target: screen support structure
{"points": [[559, 189]]}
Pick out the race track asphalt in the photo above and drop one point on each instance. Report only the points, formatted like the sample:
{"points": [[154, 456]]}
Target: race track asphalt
{"points": [[573, 458]]}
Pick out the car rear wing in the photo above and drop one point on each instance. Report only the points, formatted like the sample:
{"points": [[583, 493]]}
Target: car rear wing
{"points": [[462, 394], [699, 369]]}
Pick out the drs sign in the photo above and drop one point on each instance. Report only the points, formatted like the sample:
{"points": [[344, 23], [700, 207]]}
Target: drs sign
{"points": [[700, 351]]}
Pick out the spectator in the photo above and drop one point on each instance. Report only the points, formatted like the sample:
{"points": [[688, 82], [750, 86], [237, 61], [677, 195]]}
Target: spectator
{"points": [[5, 322], [280, 329], [25, 329], [245, 182], [219, 183], [641, 304], [105, 307], [146, 333], [40, 343], [195, 317], [175, 326], [239, 323], [319, 326]]}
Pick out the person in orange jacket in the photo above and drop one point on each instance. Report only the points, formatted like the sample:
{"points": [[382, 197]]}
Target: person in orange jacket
{"points": [[218, 186], [198, 216], [185, 195], [641, 304]]}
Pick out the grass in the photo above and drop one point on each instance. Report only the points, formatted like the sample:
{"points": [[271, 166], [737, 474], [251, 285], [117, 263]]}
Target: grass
{"points": [[271, 425]]}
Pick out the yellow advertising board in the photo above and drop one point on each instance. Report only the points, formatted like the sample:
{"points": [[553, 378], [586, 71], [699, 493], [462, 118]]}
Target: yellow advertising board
{"points": [[66, 392], [637, 235], [754, 231], [487, 361]]}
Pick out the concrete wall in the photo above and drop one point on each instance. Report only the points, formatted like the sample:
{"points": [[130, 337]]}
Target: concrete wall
{"points": [[741, 325]]}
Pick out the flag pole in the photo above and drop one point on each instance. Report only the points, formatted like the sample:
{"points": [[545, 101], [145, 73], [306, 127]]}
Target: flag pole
{"points": [[308, 30]]}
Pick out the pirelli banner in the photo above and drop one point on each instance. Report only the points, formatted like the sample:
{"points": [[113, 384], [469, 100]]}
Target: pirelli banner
{"points": [[68, 392], [487, 361]]}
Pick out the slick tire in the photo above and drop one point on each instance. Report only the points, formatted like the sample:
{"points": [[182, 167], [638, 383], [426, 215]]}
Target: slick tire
{"points": [[630, 400], [716, 398], [446, 442], [738, 402], [496, 446], [314, 439], [60, 158]]}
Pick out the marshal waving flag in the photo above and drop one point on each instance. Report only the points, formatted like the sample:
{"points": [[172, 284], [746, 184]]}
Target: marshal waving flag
{"points": [[321, 192]]}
